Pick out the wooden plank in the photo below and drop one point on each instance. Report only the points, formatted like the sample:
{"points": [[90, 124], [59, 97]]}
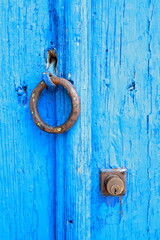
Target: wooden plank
{"points": [[26, 154], [73, 149], [125, 115]]}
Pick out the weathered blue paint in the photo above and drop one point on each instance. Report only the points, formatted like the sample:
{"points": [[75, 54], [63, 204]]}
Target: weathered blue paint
{"points": [[27, 156], [50, 184]]}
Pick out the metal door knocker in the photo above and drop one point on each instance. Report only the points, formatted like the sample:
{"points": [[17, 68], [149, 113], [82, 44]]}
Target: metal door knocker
{"points": [[74, 100]]}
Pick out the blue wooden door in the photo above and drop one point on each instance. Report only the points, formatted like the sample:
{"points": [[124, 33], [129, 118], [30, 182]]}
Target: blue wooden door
{"points": [[50, 183]]}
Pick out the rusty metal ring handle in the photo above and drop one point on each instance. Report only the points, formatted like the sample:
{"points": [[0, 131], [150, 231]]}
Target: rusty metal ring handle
{"points": [[74, 100]]}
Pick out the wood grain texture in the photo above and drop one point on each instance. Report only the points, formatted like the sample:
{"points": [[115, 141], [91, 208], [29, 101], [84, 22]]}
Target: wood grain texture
{"points": [[73, 149], [49, 185], [27, 157], [125, 113]]}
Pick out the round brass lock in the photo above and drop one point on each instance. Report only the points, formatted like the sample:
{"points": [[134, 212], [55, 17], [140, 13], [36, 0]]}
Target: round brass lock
{"points": [[114, 185]]}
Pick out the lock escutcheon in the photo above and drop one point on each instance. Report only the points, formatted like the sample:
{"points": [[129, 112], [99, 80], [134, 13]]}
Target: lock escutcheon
{"points": [[113, 181]]}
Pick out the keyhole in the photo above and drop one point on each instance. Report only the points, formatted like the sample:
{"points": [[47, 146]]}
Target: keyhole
{"points": [[115, 191]]}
